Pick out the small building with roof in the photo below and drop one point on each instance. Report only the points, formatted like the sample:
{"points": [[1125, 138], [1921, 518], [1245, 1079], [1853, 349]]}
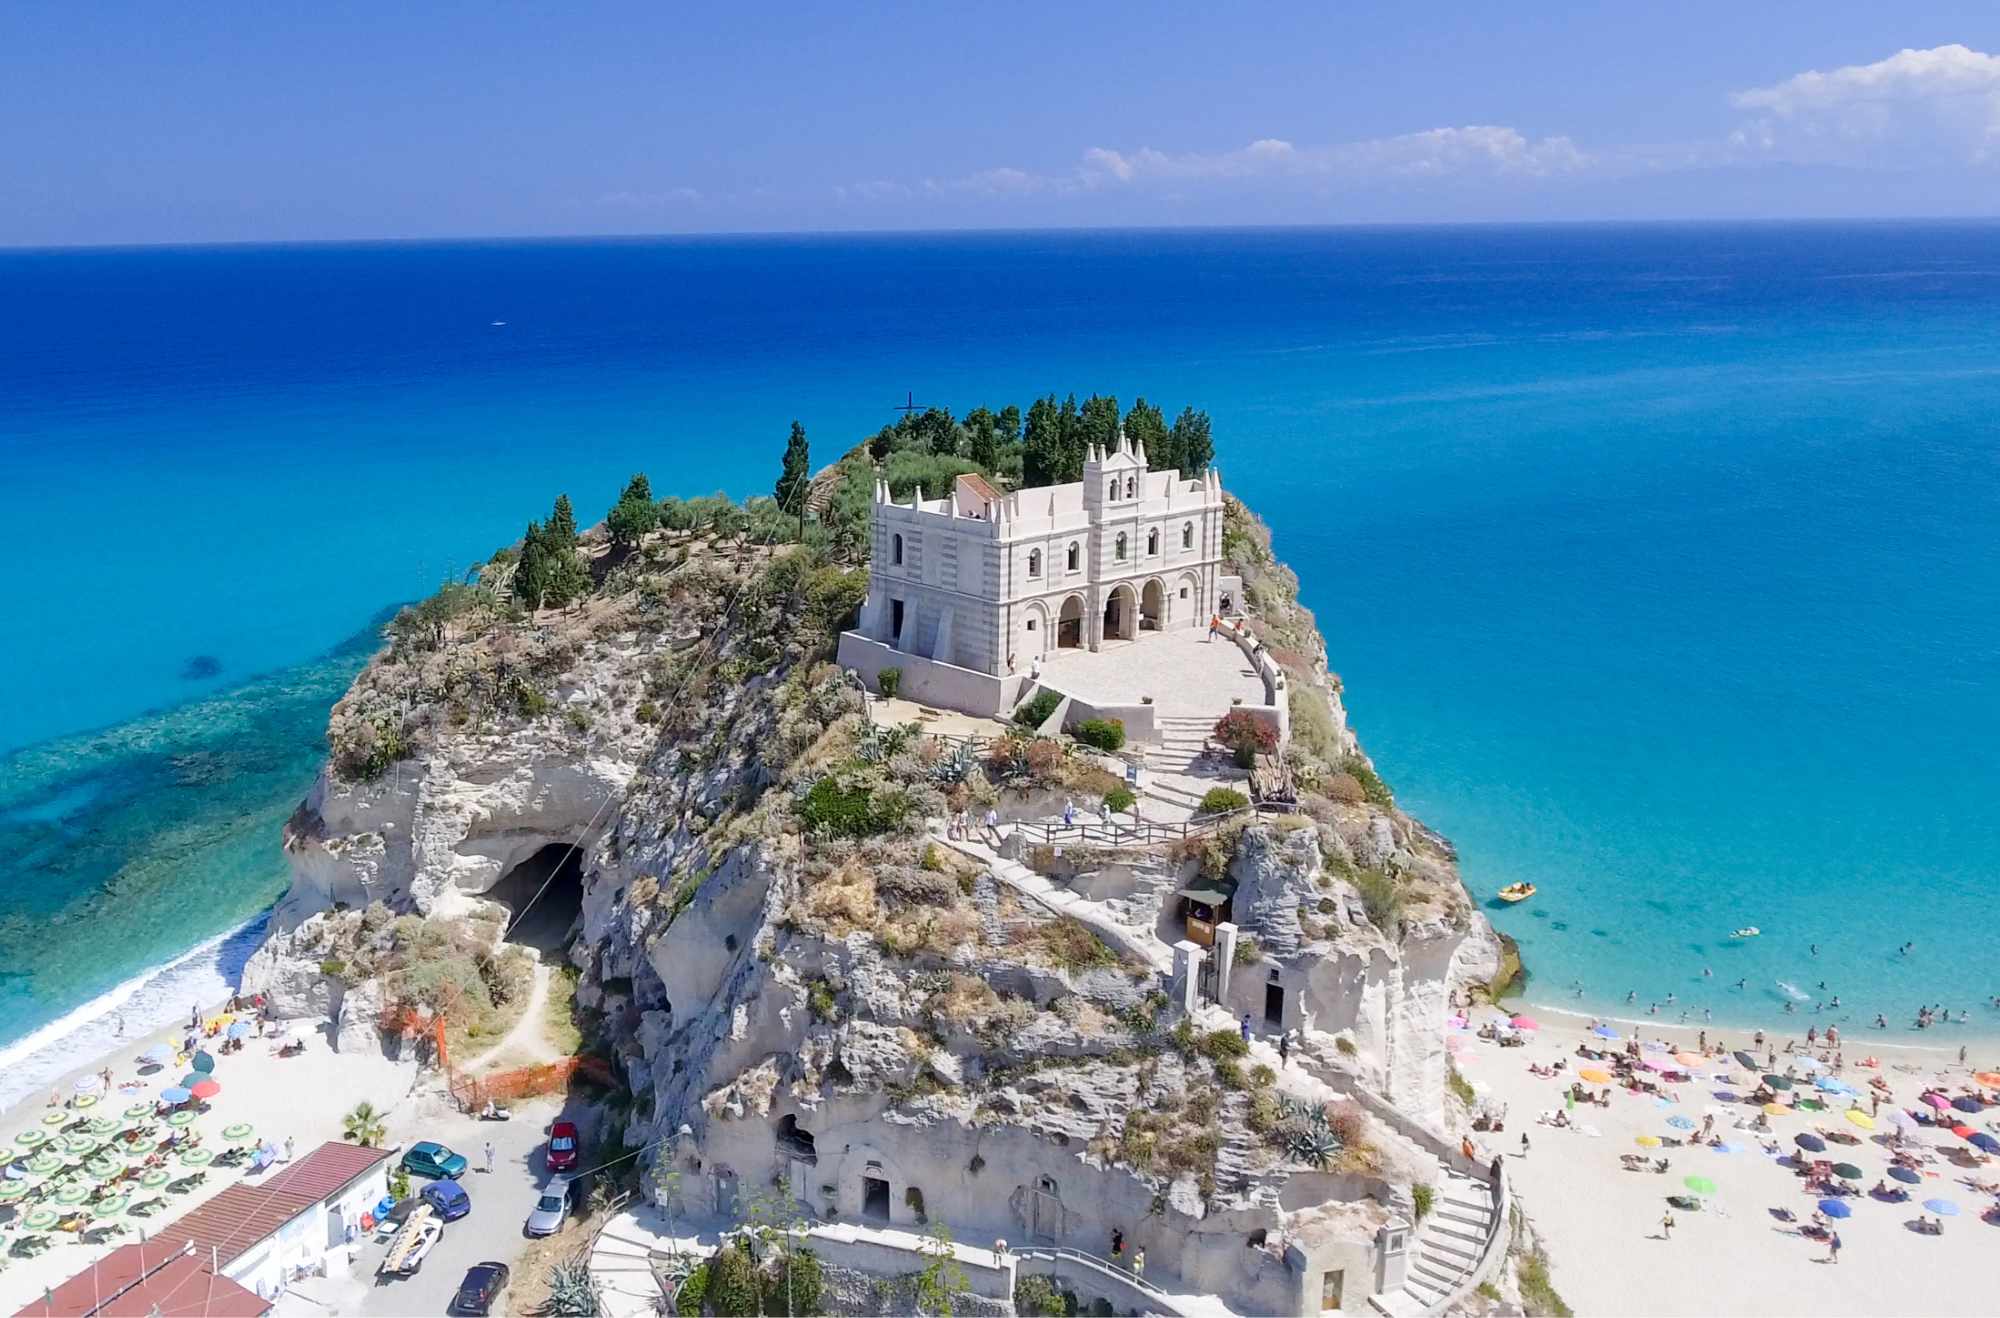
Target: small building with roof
{"points": [[155, 1279]]}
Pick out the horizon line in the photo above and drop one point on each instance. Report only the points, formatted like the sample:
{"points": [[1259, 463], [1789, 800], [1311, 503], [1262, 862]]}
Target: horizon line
{"points": [[970, 231]]}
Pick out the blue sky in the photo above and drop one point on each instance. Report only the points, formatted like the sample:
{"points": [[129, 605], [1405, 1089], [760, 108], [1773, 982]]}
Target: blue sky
{"points": [[155, 123]]}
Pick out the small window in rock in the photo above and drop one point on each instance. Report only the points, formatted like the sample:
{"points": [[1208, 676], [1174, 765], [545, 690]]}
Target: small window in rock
{"points": [[730, 942]]}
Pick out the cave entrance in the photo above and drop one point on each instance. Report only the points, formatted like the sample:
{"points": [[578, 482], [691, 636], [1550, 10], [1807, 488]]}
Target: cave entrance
{"points": [[556, 874], [875, 1198]]}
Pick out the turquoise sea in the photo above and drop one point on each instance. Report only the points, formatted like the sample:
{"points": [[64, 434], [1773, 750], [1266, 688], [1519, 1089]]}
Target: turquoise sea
{"points": [[1661, 562]]}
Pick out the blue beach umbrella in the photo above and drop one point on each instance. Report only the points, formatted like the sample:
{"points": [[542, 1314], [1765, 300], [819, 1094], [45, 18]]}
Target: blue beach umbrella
{"points": [[1727, 1147], [203, 1063], [1905, 1175], [1810, 1143], [1985, 1143], [1680, 1123], [1835, 1208], [158, 1055], [1604, 1031], [175, 1095], [1942, 1207], [1967, 1103], [241, 1029]]}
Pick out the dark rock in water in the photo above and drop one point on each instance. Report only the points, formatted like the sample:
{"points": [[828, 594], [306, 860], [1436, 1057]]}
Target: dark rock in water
{"points": [[200, 667]]}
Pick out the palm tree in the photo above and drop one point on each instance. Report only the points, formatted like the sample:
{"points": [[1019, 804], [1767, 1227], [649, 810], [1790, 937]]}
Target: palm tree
{"points": [[364, 1126]]}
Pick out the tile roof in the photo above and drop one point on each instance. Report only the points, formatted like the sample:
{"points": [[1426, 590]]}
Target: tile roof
{"points": [[158, 1277], [237, 1220], [978, 485], [327, 1170]]}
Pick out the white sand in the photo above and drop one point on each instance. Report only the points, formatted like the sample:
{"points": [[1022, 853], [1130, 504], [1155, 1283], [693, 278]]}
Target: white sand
{"points": [[1602, 1224]]}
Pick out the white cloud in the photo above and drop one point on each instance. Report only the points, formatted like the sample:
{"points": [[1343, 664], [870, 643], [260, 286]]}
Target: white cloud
{"points": [[670, 199], [1916, 103]]}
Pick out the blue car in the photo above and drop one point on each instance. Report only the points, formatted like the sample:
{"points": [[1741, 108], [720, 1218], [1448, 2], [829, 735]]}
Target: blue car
{"points": [[434, 1160], [447, 1199]]}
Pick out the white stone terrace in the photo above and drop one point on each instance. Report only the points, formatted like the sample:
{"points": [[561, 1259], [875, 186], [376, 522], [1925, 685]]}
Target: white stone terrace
{"points": [[1185, 672]]}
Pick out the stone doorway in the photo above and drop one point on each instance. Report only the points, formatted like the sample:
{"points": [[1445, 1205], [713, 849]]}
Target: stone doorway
{"points": [[1069, 625], [875, 1198], [1121, 615], [1152, 607]]}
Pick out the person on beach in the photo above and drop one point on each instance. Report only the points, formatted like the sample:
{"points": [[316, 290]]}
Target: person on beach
{"points": [[1833, 1247], [1524, 1144], [489, 1157], [1667, 1226], [1139, 1262]]}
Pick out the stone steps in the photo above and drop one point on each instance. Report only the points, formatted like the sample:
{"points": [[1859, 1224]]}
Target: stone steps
{"points": [[1447, 1245]]}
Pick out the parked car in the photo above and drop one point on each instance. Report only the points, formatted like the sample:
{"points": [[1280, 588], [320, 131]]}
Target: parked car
{"points": [[392, 1221], [482, 1285], [551, 1210], [448, 1198], [562, 1146], [434, 1160]]}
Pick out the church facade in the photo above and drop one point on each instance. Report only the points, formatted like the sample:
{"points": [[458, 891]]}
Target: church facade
{"points": [[986, 583]]}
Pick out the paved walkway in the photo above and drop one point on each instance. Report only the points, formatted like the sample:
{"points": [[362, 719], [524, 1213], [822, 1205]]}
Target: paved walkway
{"points": [[1183, 671]]}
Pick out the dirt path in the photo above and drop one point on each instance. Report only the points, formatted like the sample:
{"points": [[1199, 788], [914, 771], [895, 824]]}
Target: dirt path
{"points": [[528, 1040]]}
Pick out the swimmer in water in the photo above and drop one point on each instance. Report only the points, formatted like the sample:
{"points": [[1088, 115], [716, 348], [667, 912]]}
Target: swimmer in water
{"points": [[1789, 1008], [1815, 949], [1706, 973], [1741, 983]]}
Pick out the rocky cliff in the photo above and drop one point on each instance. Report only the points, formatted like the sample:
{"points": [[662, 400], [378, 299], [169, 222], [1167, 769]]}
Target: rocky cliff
{"points": [[811, 995]]}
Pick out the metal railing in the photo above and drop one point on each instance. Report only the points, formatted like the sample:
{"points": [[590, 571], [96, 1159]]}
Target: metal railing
{"points": [[1143, 833], [1058, 1254]]}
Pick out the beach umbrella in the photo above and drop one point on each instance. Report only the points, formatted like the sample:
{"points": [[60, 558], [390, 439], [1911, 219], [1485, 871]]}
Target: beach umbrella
{"points": [[88, 1084], [1985, 1143], [85, 1101], [1778, 1081], [32, 1137], [155, 1178], [1900, 1119], [113, 1205], [198, 1157], [1967, 1103], [1745, 1060], [139, 1150], [1936, 1100], [1835, 1208], [1847, 1171], [1727, 1147], [1907, 1175], [138, 1112], [181, 1118], [43, 1163], [1942, 1207], [39, 1219], [12, 1190], [206, 1089], [102, 1168], [1776, 1110], [1860, 1118], [240, 1131], [1810, 1143], [1592, 1075], [1828, 1084], [1690, 1059], [1962, 1130], [1524, 1023], [241, 1030], [203, 1063], [78, 1144], [1991, 1079], [158, 1055], [175, 1095], [1606, 1032], [72, 1194], [1699, 1184], [1680, 1123], [1648, 1141], [103, 1127], [193, 1078], [1805, 1062], [54, 1118]]}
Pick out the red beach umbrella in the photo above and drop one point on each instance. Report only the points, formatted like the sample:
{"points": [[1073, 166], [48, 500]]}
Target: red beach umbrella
{"points": [[205, 1088]]}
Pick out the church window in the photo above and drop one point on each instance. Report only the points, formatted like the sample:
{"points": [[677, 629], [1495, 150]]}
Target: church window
{"points": [[1153, 541], [1111, 490], [1121, 546], [1034, 562], [1075, 556], [1131, 486], [896, 549], [1187, 536]]}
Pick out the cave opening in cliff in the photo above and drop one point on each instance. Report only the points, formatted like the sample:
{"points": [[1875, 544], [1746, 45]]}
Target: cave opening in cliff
{"points": [[556, 873]]}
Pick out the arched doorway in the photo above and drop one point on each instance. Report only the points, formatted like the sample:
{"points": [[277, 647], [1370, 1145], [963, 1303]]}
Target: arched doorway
{"points": [[1153, 607], [1037, 641], [1121, 614], [1069, 624]]}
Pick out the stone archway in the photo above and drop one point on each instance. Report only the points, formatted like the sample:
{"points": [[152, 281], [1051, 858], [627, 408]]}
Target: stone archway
{"points": [[1036, 641], [1121, 613], [1153, 607], [1069, 624]]}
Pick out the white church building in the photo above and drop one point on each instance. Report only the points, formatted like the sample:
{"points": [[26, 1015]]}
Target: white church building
{"points": [[966, 593]]}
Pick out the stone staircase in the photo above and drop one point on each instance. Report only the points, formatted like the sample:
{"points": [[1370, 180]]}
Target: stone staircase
{"points": [[621, 1266], [1178, 776], [1446, 1248]]}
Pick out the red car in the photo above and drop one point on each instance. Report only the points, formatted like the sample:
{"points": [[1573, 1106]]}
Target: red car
{"points": [[562, 1146]]}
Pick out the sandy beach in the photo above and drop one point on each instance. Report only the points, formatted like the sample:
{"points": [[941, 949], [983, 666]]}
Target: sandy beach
{"points": [[1602, 1224]]}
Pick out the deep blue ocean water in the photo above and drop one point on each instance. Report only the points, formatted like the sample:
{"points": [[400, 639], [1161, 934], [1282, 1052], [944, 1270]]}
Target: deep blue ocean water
{"points": [[1661, 562]]}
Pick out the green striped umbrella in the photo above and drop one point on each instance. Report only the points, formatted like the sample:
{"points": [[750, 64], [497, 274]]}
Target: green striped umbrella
{"points": [[54, 1118], [182, 1118], [44, 1162], [103, 1127], [86, 1101], [115, 1204], [198, 1157], [78, 1144], [139, 1150], [12, 1190], [138, 1112], [72, 1194], [1699, 1184], [31, 1138], [155, 1178], [103, 1168], [40, 1219], [240, 1131]]}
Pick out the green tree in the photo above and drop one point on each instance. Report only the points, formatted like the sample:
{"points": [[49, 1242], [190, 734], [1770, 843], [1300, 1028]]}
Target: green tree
{"points": [[1146, 427], [943, 1278], [638, 488], [1194, 447], [635, 514], [1009, 422], [562, 522], [551, 573], [982, 439], [1099, 421], [364, 1126], [940, 434], [796, 476], [1069, 424], [1042, 444]]}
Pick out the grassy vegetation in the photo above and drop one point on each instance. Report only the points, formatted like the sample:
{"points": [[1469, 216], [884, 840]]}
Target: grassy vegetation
{"points": [[1538, 1295], [559, 1022], [1460, 1087], [1381, 898]]}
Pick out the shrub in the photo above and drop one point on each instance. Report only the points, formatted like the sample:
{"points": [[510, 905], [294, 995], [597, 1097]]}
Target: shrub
{"points": [[852, 810], [1245, 734], [796, 1287], [693, 1293], [1035, 711], [1344, 1046], [1381, 897], [1421, 1198], [1343, 787], [820, 1000], [647, 712], [1372, 787], [1460, 1087], [1119, 799], [1106, 734], [1222, 800], [1218, 1045], [1037, 1297], [734, 1286], [1248, 953], [1538, 1295], [889, 681]]}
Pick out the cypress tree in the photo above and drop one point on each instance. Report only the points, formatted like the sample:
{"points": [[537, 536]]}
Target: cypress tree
{"points": [[1042, 444], [1192, 442], [797, 474], [1147, 428]]}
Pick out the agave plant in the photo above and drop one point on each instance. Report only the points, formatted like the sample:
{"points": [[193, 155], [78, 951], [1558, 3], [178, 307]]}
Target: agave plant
{"points": [[1313, 1146], [571, 1294]]}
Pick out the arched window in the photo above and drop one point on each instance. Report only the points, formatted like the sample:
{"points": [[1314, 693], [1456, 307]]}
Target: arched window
{"points": [[1121, 547], [1187, 536], [896, 549], [1034, 562], [1111, 490], [1153, 541], [1131, 486], [1075, 556]]}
